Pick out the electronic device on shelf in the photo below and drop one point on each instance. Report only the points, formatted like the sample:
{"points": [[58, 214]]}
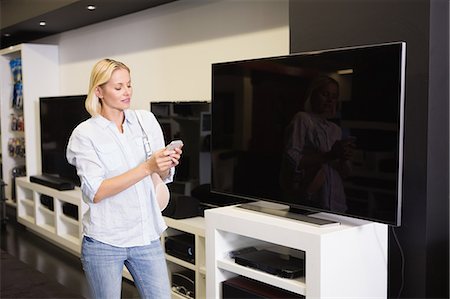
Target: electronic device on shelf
{"points": [[183, 283], [241, 287], [181, 246], [18, 171], [281, 265], [47, 201], [181, 207], [52, 182], [58, 117], [254, 103], [70, 210]]}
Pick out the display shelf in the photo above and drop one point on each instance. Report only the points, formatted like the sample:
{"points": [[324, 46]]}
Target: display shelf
{"points": [[45, 218], [38, 61], [127, 274], [68, 220], [178, 296], [66, 231], [293, 285], [196, 227], [51, 225], [11, 203], [348, 260], [48, 227], [27, 220], [180, 262]]}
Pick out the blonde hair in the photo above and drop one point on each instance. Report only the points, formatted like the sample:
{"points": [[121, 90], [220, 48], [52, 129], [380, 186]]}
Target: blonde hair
{"points": [[315, 86], [101, 73]]}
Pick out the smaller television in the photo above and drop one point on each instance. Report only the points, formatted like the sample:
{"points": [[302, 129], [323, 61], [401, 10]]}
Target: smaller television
{"points": [[186, 121], [58, 117], [190, 121]]}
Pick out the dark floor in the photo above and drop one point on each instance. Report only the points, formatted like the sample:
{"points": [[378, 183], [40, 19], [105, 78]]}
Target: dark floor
{"points": [[56, 263]]}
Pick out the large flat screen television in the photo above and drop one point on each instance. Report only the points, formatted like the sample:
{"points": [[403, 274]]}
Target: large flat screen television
{"points": [[320, 131], [58, 117]]}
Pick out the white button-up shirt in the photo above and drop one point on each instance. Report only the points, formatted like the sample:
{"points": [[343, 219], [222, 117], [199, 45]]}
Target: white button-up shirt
{"points": [[99, 151]]}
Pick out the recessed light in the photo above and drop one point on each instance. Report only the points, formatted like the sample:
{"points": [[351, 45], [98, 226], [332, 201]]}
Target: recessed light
{"points": [[345, 72], [91, 7], [42, 23]]}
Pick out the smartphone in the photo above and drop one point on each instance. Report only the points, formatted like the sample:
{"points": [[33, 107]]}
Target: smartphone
{"points": [[174, 144]]}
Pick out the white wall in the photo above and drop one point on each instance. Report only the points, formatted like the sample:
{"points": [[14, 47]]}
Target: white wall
{"points": [[170, 48]]}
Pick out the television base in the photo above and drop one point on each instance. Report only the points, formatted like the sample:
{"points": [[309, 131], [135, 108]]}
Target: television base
{"points": [[309, 219]]}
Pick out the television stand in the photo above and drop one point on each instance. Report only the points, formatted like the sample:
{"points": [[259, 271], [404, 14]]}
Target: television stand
{"points": [[349, 260], [288, 214]]}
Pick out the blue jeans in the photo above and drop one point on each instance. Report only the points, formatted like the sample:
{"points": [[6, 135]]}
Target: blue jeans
{"points": [[103, 265]]}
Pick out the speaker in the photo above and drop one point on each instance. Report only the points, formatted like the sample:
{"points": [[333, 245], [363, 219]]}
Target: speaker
{"points": [[181, 207], [47, 201], [240, 287], [70, 210]]}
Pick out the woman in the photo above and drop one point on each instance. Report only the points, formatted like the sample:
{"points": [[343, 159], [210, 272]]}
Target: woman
{"points": [[122, 164], [316, 159]]}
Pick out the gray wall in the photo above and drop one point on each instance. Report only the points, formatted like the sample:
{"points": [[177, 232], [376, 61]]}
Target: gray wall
{"points": [[424, 25]]}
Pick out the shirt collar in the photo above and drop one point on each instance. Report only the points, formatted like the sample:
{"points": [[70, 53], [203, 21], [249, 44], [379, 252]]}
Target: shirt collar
{"points": [[130, 116], [104, 122]]}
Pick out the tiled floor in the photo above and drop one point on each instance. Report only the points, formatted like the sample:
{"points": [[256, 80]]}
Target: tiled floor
{"points": [[49, 259]]}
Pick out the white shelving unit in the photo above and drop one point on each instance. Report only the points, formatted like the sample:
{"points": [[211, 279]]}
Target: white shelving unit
{"points": [[196, 227], [55, 226], [66, 232], [40, 77], [348, 260]]}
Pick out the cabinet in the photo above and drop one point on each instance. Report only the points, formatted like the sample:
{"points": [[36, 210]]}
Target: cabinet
{"points": [[196, 227], [66, 231], [40, 77], [49, 221], [348, 260]]}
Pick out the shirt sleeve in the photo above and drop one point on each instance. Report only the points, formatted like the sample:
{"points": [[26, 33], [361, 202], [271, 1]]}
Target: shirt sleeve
{"points": [[157, 141], [296, 140], [81, 153]]}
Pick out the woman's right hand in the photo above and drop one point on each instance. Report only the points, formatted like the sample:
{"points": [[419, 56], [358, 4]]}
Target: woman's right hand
{"points": [[160, 161]]}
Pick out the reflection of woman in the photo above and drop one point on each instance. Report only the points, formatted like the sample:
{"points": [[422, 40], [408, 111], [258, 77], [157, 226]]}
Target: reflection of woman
{"points": [[316, 158]]}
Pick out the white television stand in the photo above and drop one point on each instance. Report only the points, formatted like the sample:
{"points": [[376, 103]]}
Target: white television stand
{"points": [[341, 261]]}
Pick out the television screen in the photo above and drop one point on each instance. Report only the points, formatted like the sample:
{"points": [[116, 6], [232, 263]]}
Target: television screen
{"points": [[187, 121], [58, 117], [317, 131], [190, 121]]}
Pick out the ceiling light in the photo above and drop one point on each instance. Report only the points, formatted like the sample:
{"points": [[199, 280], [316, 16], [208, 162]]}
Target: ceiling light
{"points": [[91, 7], [345, 72], [7, 35], [42, 23]]}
